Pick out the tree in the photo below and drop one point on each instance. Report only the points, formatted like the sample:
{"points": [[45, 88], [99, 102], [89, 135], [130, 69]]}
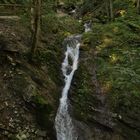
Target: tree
{"points": [[35, 24], [138, 6], [109, 9]]}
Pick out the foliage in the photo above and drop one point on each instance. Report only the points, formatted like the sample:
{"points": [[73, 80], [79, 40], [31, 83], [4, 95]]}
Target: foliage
{"points": [[14, 1], [116, 45], [72, 3], [39, 100], [48, 6], [118, 55], [53, 24]]}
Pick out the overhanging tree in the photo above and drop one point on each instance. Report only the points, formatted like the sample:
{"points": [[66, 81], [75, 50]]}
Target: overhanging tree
{"points": [[35, 24], [138, 6]]}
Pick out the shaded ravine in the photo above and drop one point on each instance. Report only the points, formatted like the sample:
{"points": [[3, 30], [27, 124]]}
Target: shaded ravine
{"points": [[63, 123]]}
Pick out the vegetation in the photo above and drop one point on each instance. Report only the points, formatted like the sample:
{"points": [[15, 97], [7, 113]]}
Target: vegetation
{"points": [[106, 84]]}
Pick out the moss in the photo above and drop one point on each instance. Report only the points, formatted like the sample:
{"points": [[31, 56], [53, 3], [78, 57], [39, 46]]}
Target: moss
{"points": [[83, 92], [39, 100], [91, 39], [117, 54], [43, 111], [43, 116], [53, 62], [51, 23], [116, 45]]}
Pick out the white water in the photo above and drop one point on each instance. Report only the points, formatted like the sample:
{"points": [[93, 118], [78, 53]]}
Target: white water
{"points": [[63, 122], [87, 27]]}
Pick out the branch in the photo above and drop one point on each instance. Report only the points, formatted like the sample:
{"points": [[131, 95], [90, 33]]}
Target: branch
{"points": [[4, 129], [12, 5], [15, 5]]}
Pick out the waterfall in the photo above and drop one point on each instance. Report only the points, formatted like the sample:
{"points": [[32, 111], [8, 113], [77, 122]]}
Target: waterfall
{"points": [[88, 26], [64, 126], [63, 122]]}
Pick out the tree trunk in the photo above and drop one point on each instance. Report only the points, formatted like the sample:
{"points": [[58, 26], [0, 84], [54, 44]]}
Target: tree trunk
{"points": [[109, 9], [56, 4], [138, 6], [32, 15], [35, 24]]}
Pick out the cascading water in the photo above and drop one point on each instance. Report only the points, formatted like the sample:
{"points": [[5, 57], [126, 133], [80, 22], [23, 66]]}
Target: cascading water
{"points": [[63, 122], [87, 26]]}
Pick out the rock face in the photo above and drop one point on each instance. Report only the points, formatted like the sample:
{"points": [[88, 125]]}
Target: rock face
{"points": [[27, 96], [102, 108], [24, 103], [92, 101]]}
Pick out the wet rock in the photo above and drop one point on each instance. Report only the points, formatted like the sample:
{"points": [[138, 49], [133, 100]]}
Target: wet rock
{"points": [[41, 133]]}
